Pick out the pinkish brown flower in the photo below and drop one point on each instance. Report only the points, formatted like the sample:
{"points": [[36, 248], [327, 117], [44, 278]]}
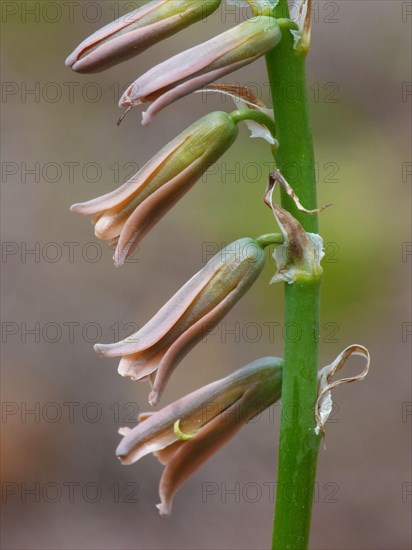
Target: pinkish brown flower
{"points": [[198, 66], [186, 433], [134, 32], [158, 347], [124, 216]]}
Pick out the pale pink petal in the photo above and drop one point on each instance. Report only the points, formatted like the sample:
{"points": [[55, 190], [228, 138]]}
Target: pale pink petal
{"points": [[165, 455], [177, 68], [144, 416], [124, 431], [130, 187], [108, 31], [153, 440], [109, 227], [140, 365], [165, 319], [152, 209], [259, 381], [157, 431], [121, 48], [188, 87], [181, 347], [211, 437], [241, 44], [134, 32], [95, 217], [141, 418], [194, 453]]}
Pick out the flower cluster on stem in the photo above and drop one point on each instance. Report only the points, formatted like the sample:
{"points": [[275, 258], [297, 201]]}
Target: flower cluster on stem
{"points": [[185, 433]]}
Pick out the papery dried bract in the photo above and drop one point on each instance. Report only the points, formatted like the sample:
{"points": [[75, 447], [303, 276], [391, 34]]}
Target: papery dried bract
{"points": [[158, 347], [201, 65], [213, 414], [300, 255], [134, 32], [244, 98], [301, 13], [124, 216], [324, 403]]}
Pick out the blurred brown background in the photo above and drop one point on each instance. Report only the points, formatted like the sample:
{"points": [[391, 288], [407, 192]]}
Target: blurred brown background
{"points": [[62, 485]]}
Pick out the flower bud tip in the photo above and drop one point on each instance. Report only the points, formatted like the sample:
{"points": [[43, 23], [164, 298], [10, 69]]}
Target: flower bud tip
{"points": [[101, 226], [164, 511], [99, 349], [146, 118], [74, 67], [117, 262], [70, 60], [153, 398]]}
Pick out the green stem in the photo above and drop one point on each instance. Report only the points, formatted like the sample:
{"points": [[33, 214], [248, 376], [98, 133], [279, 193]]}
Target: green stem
{"points": [[298, 443], [260, 7], [270, 238], [257, 116]]}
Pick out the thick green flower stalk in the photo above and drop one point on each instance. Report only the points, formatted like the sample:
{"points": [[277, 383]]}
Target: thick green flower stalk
{"points": [[298, 441]]}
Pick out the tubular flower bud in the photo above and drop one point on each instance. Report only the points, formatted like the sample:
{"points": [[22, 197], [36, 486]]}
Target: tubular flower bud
{"points": [[187, 432], [134, 32], [158, 347], [125, 215], [198, 66]]}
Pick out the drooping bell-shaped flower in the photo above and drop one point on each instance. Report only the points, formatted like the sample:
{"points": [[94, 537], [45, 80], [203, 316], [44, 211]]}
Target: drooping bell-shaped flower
{"points": [[134, 32], [187, 432], [125, 215], [194, 68], [158, 347]]}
